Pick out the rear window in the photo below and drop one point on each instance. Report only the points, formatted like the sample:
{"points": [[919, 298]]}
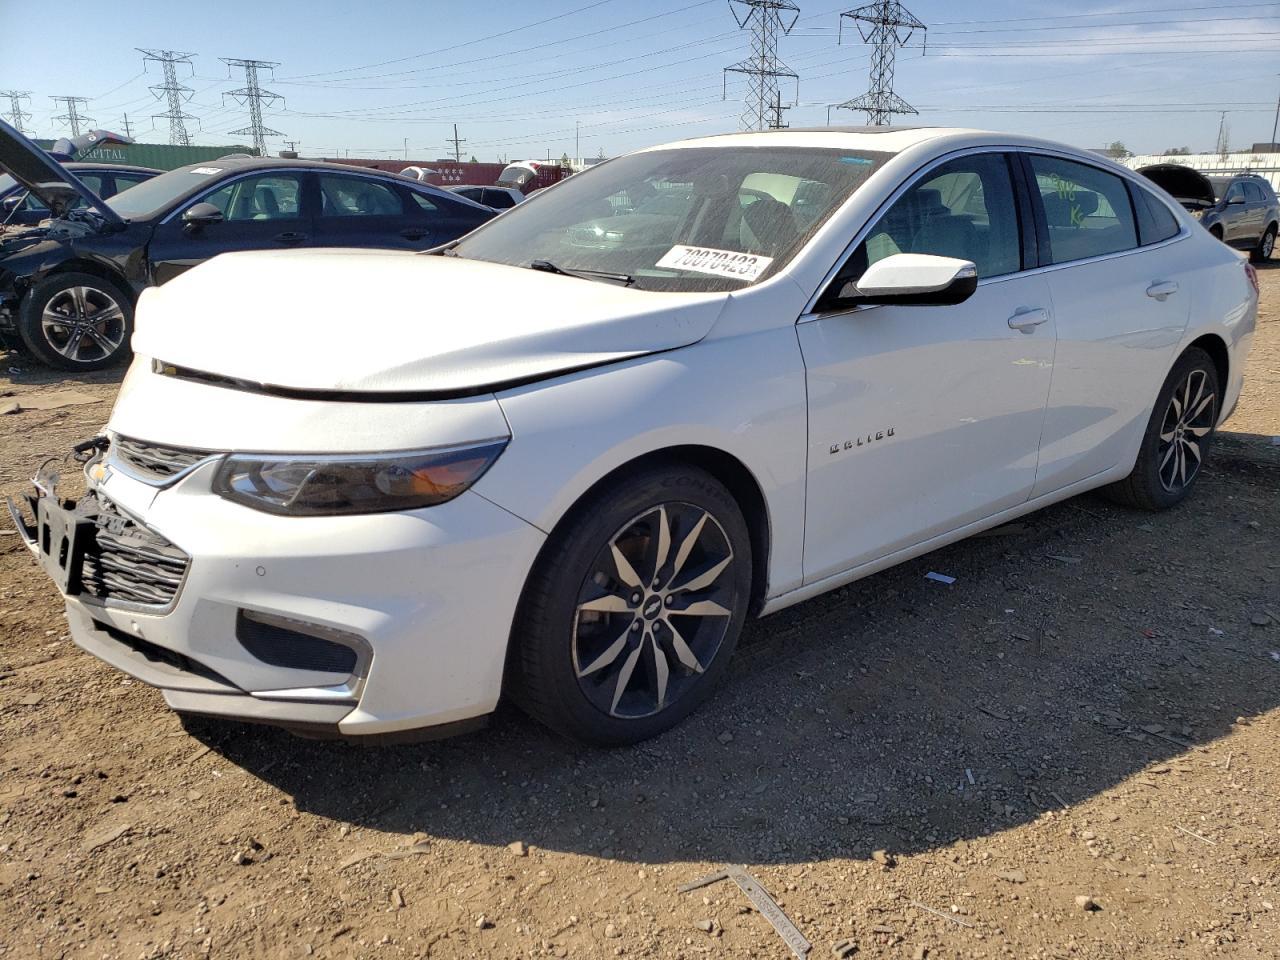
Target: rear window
{"points": [[1087, 210]]}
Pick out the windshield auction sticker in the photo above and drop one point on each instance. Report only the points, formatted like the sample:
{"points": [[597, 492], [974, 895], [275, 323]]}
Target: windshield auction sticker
{"points": [[717, 263]]}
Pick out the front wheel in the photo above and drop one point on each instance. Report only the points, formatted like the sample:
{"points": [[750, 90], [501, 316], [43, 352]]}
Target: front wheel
{"points": [[1266, 246], [1177, 438], [634, 608], [76, 321]]}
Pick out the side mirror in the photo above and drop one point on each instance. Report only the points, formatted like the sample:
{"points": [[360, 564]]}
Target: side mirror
{"points": [[912, 280], [200, 216], [11, 204]]}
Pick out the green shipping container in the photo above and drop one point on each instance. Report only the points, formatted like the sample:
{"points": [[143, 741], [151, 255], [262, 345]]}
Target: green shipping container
{"points": [[160, 156]]}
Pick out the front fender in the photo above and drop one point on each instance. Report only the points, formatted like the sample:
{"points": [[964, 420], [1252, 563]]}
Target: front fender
{"points": [[743, 396]]}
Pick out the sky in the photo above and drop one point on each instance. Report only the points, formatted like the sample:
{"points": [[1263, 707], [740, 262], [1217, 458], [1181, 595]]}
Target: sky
{"points": [[389, 78]]}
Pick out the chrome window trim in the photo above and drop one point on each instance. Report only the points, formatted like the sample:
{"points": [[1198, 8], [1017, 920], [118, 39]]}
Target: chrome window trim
{"points": [[1124, 173]]}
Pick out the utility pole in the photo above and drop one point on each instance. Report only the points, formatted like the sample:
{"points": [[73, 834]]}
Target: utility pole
{"points": [[888, 25], [1224, 136], [127, 132], [73, 118], [1276, 125], [252, 96], [16, 114], [457, 145], [577, 144], [173, 92], [292, 144], [766, 19]]}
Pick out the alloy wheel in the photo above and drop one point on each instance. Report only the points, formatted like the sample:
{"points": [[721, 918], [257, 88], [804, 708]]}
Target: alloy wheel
{"points": [[83, 324], [1268, 245], [653, 610], [1187, 421]]}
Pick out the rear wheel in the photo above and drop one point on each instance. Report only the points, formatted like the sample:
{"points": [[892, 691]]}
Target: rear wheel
{"points": [[1266, 246], [76, 321], [631, 616], [1177, 438]]}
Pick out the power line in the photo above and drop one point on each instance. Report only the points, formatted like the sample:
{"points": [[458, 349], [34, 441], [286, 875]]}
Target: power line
{"points": [[174, 92], [765, 19], [16, 114], [252, 96], [888, 25], [73, 118]]}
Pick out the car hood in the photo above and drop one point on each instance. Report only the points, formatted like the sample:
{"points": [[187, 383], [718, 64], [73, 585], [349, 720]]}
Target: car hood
{"points": [[44, 176], [1189, 187], [360, 321]]}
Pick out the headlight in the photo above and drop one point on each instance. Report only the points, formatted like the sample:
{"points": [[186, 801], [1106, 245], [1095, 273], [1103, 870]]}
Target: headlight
{"points": [[354, 483], [1197, 213]]}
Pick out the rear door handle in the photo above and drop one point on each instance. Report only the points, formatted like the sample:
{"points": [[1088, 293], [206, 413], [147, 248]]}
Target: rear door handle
{"points": [[414, 233], [290, 236], [1162, 289], [1027, 319]]}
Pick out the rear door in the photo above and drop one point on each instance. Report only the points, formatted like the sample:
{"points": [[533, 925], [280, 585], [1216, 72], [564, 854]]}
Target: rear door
{"points": [[1257, 202], [268, 210], [1121, 305], [365, 212]]}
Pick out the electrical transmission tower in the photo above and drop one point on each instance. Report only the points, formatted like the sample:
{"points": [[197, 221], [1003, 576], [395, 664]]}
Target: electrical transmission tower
{"points": [[252, 96], [16, 114], [888, 25], [766, 19], [457, 145], [73, 117], [173, 91], [1224, 136]]}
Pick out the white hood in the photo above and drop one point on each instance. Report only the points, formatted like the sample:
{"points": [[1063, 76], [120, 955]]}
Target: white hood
{"points": [[362, 320]]}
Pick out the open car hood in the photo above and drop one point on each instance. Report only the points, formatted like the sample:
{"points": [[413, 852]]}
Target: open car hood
{"points": [[1191, 188], [47, 179], [403, 323]]}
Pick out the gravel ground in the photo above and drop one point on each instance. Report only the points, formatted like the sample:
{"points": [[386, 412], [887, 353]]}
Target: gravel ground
{"points": [[1091, 711]]}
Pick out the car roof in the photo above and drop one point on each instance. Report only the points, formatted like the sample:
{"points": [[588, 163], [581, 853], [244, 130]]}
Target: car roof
{"points": [[884, 139], [74, 165]]}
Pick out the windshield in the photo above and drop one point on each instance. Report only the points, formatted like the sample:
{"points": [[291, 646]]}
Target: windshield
{"points": [[156, 194], [6, 183], [1220, 185], [699, 218]]}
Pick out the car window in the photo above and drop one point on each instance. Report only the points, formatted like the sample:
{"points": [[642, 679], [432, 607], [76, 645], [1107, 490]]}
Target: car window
{"points": [[1235, 192], [126, 180], [261, 197], [1252, 192], [498, 199], [1087, 210], [471, 193], [963, 209], [93, 181], [423, 201], [353, 197], [1155, 221]]}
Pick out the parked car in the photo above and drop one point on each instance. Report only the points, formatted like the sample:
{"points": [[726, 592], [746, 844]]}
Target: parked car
{"points": [[570, 454], [1239, 209], [499, 198], [20, 207], [68, 288]]}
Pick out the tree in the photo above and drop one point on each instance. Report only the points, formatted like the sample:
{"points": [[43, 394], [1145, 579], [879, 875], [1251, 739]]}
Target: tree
{"points": [[1117, 149], [473, 159], [1177, 152]]}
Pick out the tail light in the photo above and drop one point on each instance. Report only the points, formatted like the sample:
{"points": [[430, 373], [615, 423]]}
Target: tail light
{"points": [[1252, 274]]}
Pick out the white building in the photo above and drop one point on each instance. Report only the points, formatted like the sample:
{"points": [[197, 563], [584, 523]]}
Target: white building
{"points": [[1264, 164]]}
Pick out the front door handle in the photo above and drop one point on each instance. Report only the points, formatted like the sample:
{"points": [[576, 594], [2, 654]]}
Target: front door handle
{"points": [[290, 236], [1162, 290], [1027, 319]]}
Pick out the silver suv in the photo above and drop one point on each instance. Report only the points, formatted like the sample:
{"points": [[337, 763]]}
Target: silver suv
{"points": [[1240, 209]]}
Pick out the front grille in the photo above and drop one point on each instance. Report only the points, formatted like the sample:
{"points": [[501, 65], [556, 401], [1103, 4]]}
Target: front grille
{"points": [[129, 562], [154, 460]]}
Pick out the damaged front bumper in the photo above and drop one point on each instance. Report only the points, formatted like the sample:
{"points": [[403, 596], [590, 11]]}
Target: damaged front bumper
{"points": [[354, 626]]}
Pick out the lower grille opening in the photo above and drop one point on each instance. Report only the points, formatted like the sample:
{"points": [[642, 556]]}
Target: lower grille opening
{"points": [[281, 643], [128, 561]]}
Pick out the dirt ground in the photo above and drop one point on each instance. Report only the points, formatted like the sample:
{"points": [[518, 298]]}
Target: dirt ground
{"points": [[1091, 710]]}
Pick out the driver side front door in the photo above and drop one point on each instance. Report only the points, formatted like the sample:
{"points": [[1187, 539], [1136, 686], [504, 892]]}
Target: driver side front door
{"points": [[923, 419]]}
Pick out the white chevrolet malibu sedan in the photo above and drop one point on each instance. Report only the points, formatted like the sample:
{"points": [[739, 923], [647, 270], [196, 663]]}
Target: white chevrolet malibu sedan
{"points": [[364, 493]]}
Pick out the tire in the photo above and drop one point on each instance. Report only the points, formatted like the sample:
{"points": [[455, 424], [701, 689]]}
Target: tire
{"points": [[1216, 232], [1266, 246], [602, 650], [98, 322], [1175, 444]]}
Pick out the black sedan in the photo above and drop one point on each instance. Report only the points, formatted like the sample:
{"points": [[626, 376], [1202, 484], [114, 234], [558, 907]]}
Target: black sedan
{"points": [[68, 286], [20, 207]]}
